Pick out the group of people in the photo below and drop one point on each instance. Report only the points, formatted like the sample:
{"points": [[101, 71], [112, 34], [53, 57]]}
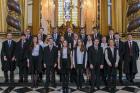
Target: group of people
{"points": [[75, 56]]}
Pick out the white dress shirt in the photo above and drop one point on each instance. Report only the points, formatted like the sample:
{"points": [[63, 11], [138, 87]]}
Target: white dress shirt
{"points": [[35, 51]]}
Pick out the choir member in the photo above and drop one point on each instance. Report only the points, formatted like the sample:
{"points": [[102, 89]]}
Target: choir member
{"points": [[89, 43], [64, 64], [112, 59], [79, 61], [69, 37], [22, 58], [8, 58], [110, 35], [75, 39], [28, 36], [120, 45], [42, 35], [83, 36], [96, 34], [104, 73], [35, 58], [56, 36], [60, 44], [95, 57], [131, 55], [50, 61]]}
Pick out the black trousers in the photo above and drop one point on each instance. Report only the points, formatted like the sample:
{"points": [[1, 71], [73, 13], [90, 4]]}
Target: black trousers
{"points": [[23, 72], [65, 73], [112, 76], [49, 69], [79, 70], [120, 69], [7, 77], [95, 76], [130, 76]]}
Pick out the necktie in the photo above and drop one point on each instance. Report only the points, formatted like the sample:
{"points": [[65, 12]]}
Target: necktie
{"points": [[130, 48], [117, 44], [9, 43]]}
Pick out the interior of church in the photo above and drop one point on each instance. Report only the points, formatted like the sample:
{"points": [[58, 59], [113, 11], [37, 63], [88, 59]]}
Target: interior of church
{"points": [[119, 15], [18, 16]]}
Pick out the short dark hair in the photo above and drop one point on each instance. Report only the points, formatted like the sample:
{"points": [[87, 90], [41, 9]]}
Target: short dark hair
{"points": [[42, 28], [129, 34], [22, 34], [117, 33]]}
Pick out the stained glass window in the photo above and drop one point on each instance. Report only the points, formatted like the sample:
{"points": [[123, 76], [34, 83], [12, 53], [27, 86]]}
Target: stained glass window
{"points": [[67, 11]]}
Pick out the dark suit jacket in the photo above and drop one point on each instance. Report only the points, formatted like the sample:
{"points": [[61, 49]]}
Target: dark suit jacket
{"points": [[95, 57], [50, 57], [84, 39], [58, 38], [69, 39], [99, 36], [22, 53], [127, 58], [121, 49], [9, 52], [108, 37], [44, 36]]}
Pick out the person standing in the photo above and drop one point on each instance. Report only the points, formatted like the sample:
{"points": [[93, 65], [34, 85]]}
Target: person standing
{"points": [[83, 36], [35, 59], [8, 58], [120, 45], [56, 37], [131, 56], [42, 35], [79, 62], [22, 58], [112, 59], [50, 61], [64, 64], [95, 57]]}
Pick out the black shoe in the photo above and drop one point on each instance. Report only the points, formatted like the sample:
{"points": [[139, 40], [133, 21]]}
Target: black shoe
{"points": [[54, 85], [12, 81], [121, 82], [92, 90], [26, 80], [6, 81], [131, 81], [20, 80], [98, 88]]}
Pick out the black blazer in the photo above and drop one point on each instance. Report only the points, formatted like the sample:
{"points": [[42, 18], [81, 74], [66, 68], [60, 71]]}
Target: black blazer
{"points": [[50, 57], [58, 38], [22, 53], [84, 39], [9, 52], [95, 57], [44, 36], [121, 49]]}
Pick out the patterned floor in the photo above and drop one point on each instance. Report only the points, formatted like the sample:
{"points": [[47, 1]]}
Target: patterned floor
{"points": [[120, 89]]}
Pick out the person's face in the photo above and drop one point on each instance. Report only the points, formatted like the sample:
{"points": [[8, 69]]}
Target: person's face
{"points": [[28, 31], [55, 30], [69, 30], [62, 38], [9, 36], [51, 41], [65, 43], [82, 31], [111, 43], [96, 42], [111, 32], [117, 37], [89, 37], [104, 40], [95, 31], [23, 37], [129, 37], [75, 36], [41, 31], [79, 42], [35, 40]]}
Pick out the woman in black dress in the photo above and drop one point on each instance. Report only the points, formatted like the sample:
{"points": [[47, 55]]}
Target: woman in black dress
{"points": [[36, 54]]}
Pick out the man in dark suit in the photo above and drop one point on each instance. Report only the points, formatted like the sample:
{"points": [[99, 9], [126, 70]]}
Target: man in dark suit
{"points": [[69, 37], [96, 34], [43, 36], [8, 57], [83, 36], [131, 56], [95, 57], [28, 36], [110, 35], [120, 46], [56, 37], [50, 61], [22, 58]]}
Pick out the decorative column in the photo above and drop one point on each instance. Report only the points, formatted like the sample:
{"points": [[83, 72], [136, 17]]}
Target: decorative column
{"points": [[36, 17], [104, 17]]}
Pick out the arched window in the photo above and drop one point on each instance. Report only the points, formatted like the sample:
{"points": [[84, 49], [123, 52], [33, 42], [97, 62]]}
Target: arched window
{"points": [[67, 11]]}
